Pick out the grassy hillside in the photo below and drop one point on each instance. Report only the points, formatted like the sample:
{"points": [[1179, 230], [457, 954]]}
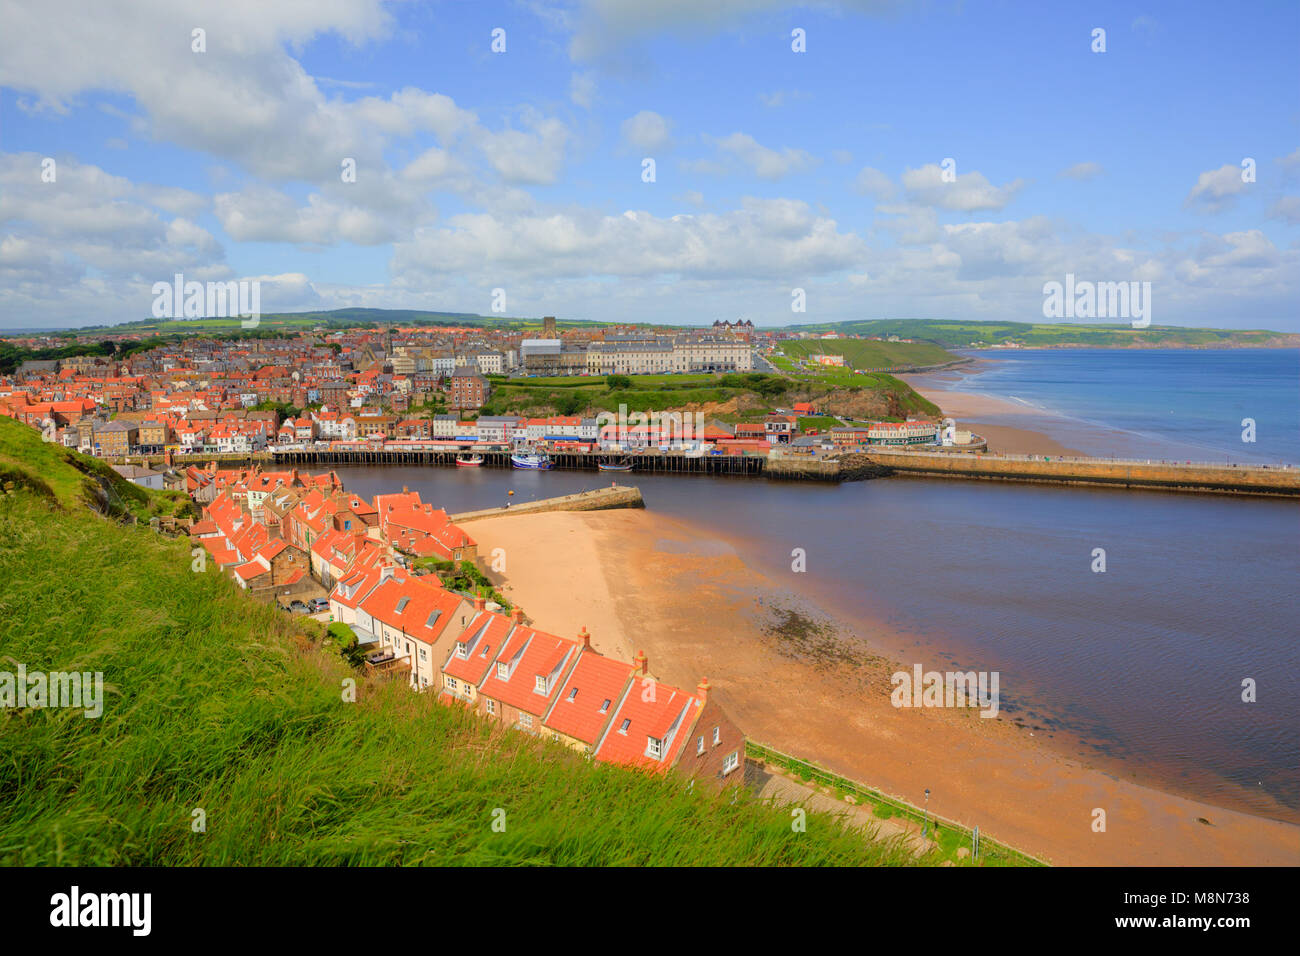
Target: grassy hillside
{"points": [[216, 703], [867, 355], [732, 398], [74, 480], [1041, 334]]}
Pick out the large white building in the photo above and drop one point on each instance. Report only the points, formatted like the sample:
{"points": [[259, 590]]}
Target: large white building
{"points": [[666, 355]]}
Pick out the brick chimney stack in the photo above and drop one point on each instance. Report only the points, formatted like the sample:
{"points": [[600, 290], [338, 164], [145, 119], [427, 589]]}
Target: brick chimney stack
{"points": [[517, 615], [640, 665], [479, 603], [584, 638], [702, 691]]}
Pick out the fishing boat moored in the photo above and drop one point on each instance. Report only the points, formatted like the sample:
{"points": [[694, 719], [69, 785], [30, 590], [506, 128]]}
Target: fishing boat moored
{"points": [[473, 461], [619, 466], [533, 462]]}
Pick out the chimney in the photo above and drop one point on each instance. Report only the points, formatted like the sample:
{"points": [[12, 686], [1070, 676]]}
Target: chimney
{"points": [[405, 490], [702, 690], [479, 603], [517, 615], [584, 638], [640, 665]]}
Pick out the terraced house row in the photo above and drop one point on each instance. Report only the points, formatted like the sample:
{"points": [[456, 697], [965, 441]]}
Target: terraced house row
{"points": [[535, 682]]}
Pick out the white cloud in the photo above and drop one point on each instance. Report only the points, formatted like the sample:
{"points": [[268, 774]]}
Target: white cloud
{"points": [[969, 192], [874, 183], [647, 131], [762, 161], [1216, 189]]}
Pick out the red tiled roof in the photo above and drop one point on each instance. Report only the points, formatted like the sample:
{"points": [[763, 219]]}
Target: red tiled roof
{"points": [[652, 718], [540, 655], [595, 679]]}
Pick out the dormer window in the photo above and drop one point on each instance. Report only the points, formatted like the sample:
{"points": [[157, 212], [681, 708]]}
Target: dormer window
{"points": [[503, 671], [539, 684], [462, 650], [654, 747]]}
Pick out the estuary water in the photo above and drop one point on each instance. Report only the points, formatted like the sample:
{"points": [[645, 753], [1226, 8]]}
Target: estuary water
{"points": [[1137, 669]]}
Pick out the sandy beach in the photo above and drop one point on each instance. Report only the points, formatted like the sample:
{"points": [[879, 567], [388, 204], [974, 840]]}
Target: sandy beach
{"points": [[973, 411], [813, 687]]}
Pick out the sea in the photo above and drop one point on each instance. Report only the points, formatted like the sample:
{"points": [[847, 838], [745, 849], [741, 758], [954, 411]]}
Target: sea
{"points": [[1177, 666], [1239, 405]]}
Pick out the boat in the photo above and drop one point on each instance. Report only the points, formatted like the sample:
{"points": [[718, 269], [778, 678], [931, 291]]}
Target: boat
{"points": [[533, 462], [473, 461], [609, 466]]}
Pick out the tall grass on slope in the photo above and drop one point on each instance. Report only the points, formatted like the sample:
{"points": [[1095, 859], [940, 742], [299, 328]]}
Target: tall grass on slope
{"points": [[217, 704]]}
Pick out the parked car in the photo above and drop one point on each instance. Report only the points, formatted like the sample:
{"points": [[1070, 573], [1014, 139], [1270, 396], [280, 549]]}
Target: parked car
{"points": [[298, 607], [318, 604]]}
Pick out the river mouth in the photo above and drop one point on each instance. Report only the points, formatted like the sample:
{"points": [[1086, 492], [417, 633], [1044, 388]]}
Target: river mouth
{"points": [[1136, 670]]}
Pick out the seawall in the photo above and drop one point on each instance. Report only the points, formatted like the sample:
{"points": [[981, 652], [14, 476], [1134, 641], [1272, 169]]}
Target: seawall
{"points": [[1167, 476], [599, 499]]}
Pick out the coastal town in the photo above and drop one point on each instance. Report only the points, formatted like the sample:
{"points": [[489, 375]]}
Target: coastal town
{"points": [[421, 389]]}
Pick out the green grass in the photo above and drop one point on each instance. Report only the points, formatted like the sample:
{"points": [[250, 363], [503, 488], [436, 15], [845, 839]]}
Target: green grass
{"points": [[216, 702], [950, 334], [865, 354], [71, 478], [820, 423]]}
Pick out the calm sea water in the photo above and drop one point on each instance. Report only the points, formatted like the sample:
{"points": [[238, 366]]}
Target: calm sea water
{"points": [[1166, 403], [1137, 669]]}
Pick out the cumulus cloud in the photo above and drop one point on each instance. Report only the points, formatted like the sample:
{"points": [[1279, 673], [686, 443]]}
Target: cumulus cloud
{"points": [[1216, 189], [968, 192], [647, 131], [765, 162], [874, 183]]}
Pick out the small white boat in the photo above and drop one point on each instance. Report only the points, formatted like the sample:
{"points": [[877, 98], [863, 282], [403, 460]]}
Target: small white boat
{"points": [[473, 461], [532, 462], [621, 466]]}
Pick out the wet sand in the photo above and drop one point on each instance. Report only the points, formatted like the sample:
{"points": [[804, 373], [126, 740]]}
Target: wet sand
{"points": [[974, 411], [817, 688]]}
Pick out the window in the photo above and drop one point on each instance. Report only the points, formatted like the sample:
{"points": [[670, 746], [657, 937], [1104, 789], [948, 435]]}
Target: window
{"points": [[699, 745], [526, 720], [626, 724], [539, 685], [462, 650], [717, 736], [731, 763], [503, 671], [605, 706], [451, 683], [491, 706], [573, 693], [654, 747], [401, 605]]}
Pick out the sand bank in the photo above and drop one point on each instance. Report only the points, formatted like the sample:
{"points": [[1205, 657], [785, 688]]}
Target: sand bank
{"points": [[972, 411], [637, 580]]}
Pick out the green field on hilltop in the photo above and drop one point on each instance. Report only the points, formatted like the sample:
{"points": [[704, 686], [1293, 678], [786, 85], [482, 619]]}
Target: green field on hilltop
{"points": [[953, 334], [866, 354], [216, 703]]}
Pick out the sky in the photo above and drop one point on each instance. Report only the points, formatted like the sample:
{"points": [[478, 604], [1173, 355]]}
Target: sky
{"points": [[679, 161]]}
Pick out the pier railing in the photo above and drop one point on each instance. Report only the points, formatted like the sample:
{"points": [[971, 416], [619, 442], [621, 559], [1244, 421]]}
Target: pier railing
{"points": [[885, 806]]}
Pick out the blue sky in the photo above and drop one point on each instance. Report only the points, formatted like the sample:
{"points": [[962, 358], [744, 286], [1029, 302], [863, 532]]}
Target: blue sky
{"points": [[774, 170]]}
